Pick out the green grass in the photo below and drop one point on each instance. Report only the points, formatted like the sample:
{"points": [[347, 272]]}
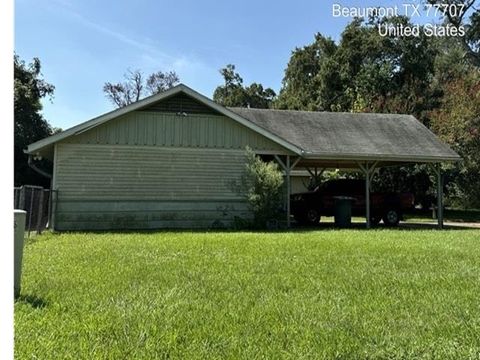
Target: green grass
{"points": [[381, 294], [453, 215]]}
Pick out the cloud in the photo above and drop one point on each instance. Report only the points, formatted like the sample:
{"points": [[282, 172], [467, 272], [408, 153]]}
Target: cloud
{"points": [[149, 54], [145, 46]]}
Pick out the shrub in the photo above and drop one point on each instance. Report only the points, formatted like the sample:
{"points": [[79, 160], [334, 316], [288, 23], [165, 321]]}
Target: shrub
{"points": [[261, 184]]}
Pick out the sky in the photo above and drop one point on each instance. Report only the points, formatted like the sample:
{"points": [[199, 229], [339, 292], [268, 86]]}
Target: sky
{"points": [[84, 43]]}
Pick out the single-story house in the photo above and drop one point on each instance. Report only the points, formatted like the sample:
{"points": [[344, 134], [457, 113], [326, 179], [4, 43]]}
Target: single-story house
{"points": [[168, 161]]}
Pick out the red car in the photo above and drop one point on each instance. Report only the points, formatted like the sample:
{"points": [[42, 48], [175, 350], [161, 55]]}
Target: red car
{"points": [[308, 207]]}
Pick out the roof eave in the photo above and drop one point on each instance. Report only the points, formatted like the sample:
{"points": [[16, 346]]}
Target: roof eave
{"points": [[382, 157], [36, 146]]}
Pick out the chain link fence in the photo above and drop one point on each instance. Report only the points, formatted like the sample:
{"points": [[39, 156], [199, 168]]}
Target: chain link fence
{"points": [[37, 202]]}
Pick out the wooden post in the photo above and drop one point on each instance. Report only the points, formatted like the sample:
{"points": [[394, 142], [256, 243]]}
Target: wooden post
{"points": [[287, 168], [16, 195], [368, 170], [40, 213], [438, 171], [30, 210], [21, 201], [367, 194], [287, 175], [54, 208], [49, 216]]}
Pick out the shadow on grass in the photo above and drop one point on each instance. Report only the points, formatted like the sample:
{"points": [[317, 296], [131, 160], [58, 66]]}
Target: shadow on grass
{"points": [[417, 220], [32, 300]]}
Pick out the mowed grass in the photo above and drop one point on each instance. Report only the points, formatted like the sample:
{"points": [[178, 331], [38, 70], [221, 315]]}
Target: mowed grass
{"points": [[452, 215], [350, 294]]}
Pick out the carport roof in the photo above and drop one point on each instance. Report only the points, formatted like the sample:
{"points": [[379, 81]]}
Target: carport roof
{"points": [[352, 136]]}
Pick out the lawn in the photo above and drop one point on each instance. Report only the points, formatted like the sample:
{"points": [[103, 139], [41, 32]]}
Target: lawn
{"points": [[303, 294], [453, 215]]}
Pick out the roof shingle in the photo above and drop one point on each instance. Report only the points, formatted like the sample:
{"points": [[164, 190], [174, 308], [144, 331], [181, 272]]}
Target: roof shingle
{"points": [[351, 135]]}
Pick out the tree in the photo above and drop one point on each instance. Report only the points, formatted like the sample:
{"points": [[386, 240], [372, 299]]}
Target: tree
{"points": [[136, 86], [312, 80], [464, 13], [234, 93], [367, 72], [363, 72], [30, 125], [457, 122]]}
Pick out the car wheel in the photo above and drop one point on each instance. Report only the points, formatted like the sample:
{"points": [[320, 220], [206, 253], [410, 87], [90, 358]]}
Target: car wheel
{"points": [[312, 217], [391, 217]]}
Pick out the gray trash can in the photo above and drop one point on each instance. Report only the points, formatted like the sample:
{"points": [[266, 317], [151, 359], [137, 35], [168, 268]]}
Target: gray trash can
{"points": [[19, 232], [343, 211]]}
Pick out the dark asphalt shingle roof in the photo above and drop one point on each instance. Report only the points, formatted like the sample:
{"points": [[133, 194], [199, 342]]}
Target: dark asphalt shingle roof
{"points": [[352, 134]]}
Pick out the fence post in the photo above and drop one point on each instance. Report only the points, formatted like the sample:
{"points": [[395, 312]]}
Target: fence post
{"points": [[49, 215], [40, 213], [16, 193], [54, 208], [30, 211], [21, 201]]}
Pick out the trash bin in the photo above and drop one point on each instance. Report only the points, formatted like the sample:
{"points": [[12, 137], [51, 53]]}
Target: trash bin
{"points": [[19, 230], [343, 211]]}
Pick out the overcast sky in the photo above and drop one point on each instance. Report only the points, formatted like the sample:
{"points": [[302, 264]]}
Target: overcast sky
{"points": [[84, 43]]}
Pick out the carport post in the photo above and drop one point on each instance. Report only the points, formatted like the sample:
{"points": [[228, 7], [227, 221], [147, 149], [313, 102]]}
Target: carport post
{"points": [[367, 170], [287, 168], [287, 175], [438, 172], [367, 195]]}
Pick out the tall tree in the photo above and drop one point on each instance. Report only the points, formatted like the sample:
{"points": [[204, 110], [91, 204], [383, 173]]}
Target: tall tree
{"points": [[464, 13], [234, 93], [363, 72], [367, 72], [312, 80], [457, 122], [136, 86], [30, 125]]}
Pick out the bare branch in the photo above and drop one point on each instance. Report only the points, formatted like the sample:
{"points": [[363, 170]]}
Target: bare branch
{"points": [[135, 86]]}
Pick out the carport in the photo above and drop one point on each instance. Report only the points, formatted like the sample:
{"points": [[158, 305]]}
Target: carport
{"points": [[355, 141]]}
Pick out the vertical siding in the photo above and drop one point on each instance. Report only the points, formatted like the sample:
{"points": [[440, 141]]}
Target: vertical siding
{"points": [[128, 186], [170, 129]]}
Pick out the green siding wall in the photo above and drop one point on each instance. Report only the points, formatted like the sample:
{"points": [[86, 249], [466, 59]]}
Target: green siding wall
{"points": [[151, 169], [135, 187], [170, 129]]}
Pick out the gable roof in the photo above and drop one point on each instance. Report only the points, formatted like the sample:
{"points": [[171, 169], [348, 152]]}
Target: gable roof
{"points": [[181, 88], [315, 135], [354, 136]]}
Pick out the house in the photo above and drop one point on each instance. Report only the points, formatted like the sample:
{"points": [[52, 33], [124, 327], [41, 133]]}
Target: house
{"points": [[169, 161]]}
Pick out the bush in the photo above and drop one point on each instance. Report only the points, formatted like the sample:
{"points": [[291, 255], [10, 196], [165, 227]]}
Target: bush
{"points": [[261, 184]]}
